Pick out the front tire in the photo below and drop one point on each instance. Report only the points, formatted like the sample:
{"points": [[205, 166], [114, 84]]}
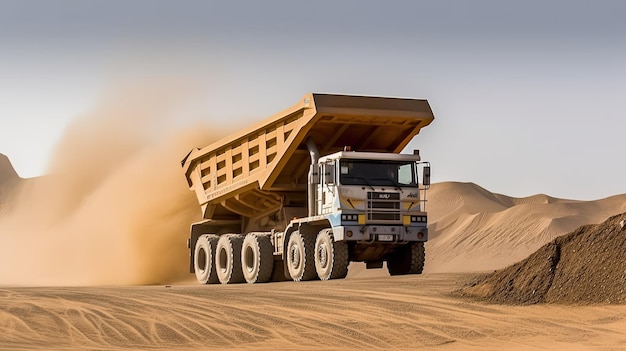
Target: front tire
{"points": [[228, 259], [331, 258], [257, 258], [408, 260], [203, 259], [300, 257]]}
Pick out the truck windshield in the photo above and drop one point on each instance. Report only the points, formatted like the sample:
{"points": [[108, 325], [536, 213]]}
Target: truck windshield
{"points": [[377, 173]]}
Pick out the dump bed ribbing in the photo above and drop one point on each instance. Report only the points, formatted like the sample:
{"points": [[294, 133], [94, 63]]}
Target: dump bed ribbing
{"points": [[245, 173]]}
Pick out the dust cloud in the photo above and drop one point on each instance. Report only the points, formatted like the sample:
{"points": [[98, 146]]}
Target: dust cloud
{"points": [[115, 208]]}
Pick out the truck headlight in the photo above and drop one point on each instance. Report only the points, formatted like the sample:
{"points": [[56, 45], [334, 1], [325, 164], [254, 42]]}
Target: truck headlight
{"points": [[349, 217], [419, 219]]}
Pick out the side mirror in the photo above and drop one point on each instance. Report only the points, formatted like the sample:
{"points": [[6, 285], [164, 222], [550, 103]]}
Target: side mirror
{"points": [[329, 174], [426, 179]]}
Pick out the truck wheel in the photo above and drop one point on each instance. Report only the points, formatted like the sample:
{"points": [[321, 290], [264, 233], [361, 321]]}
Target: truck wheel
{"points": [[257, 258], [300, 257], [408, 260], [331, 258], [203, 259], [228, 259]]}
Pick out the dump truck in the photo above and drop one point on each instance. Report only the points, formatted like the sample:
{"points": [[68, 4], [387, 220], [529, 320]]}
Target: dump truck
{"points": [[311, 189]]}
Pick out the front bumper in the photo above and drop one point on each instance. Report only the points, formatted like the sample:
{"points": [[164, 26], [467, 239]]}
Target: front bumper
{"points": [[381, 233]]}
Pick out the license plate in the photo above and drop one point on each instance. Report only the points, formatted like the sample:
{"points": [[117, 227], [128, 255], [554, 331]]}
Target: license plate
{"points": [[385, 237]]}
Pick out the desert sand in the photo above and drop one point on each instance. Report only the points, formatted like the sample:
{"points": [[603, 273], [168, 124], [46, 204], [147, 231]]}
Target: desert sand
{"points": [[363, 313]]}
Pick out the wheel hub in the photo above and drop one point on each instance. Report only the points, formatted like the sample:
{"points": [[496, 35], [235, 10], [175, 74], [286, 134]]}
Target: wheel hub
{"points": [[323, 256], [295, 256]]}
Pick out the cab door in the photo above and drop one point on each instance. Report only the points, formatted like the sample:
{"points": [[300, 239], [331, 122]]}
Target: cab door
{"points": [[326, 188]]}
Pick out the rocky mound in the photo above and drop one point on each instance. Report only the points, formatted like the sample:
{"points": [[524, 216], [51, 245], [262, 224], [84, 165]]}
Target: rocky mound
{"points": [[586, 266]]}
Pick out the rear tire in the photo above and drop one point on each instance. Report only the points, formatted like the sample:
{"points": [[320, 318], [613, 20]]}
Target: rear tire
{"points": [[228, 259], [408, 260], [204, 259], [300, 257], [331, 258], [257, 258]]}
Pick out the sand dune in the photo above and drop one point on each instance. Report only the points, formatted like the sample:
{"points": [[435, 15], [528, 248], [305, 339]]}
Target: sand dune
{"points": [[472, 229], [9, 180], [7, 172]]}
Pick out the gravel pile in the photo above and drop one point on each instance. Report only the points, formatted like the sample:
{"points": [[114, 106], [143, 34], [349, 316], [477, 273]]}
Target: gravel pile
{"points": [[586, 266]]}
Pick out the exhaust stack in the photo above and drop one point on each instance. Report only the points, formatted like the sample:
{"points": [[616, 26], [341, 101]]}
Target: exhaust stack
{"points": [[315, 155]]}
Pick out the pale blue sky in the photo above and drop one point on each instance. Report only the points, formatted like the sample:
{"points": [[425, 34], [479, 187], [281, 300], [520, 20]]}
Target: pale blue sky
{"points": [[529, 97]]}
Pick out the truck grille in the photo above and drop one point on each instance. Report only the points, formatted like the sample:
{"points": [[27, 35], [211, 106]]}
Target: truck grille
{"points": [[383, 207]]}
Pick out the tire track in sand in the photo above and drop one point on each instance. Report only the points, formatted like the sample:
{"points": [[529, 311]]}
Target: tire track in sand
{"points": [[406, 312]]}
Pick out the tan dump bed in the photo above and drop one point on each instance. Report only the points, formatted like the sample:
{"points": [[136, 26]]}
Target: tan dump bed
{"points": [[245, 173]]}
